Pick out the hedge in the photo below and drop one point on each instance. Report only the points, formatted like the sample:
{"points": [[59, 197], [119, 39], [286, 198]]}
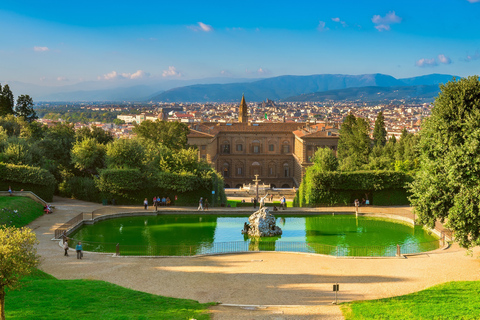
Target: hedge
{"points": [[131, 186], [82, 188], [342, 188], [34, 179]]}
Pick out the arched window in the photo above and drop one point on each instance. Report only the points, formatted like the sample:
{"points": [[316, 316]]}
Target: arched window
{"points": [[271, 169], [226, 170], [286, 147], [225, 147], [286, 170], [256, 169], [256, 146]]}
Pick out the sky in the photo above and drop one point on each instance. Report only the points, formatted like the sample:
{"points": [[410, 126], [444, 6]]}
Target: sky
{"points": [[57, 43]]}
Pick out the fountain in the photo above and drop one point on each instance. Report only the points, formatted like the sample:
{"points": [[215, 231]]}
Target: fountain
{"points": [[262, 223]]}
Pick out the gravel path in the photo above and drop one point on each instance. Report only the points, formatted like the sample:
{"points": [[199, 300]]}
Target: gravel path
{"points": [[285, 285]]}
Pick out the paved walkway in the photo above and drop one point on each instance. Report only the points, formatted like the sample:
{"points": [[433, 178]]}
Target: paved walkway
{"points": [[286, 285]]}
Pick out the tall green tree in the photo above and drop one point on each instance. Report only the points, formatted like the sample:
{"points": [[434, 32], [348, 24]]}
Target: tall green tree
{"points": [[379, 131], [125, 153], [24, 108], [325, 160], [18, 258], [100, 135], [447, 186], [172, 135], [88, 155], [7, 101], [354, 144]]}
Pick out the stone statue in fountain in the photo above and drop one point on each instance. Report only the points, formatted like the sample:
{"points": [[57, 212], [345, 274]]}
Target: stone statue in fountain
{"points": [[262, 223]]}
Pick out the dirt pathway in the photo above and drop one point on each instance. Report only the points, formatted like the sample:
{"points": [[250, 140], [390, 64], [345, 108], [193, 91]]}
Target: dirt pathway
{"points": [[284, 285]]}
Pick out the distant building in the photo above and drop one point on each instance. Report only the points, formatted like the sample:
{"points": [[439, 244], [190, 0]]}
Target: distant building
{"points": [[278, 152]]}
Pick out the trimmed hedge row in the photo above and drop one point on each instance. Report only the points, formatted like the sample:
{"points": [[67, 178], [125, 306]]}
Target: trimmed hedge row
{"points": [[342, 188], [34, 179], [131, 186]]}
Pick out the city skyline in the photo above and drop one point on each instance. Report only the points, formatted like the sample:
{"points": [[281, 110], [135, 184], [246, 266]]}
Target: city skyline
{"points": [[126, 44]]}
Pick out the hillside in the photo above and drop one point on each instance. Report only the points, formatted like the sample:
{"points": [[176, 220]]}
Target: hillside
{"points": [[372, 94], [283, 87]]}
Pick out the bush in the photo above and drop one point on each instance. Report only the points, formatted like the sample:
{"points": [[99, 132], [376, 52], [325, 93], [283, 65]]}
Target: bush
{"points": [[82, 188], [342, 188], [130, 186], [35, 179]]}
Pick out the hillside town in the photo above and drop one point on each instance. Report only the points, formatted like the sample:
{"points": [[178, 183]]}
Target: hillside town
{"points": [[397, 116]]}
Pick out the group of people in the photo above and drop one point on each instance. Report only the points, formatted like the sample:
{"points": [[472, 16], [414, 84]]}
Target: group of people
{"points": [[78, 247], [157, 201], [202, 204], [283, 202], [47, 208]]}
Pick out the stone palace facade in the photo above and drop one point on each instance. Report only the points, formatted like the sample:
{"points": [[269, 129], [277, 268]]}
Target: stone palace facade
{"points": [[277, 152]]}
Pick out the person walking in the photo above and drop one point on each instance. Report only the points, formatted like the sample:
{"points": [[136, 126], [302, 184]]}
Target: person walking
{"points": [[65, 247], [79, 249], [145, 203], [200, 204], [206, 204]]}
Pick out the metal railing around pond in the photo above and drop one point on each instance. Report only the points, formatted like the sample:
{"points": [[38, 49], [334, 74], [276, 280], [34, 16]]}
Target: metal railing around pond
{"points": [[252, 246]]}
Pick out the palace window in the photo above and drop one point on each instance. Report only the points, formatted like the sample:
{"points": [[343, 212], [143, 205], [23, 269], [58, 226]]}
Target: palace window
{"points": [[271, 147], [226, 148], [286, 170], [239, 147], [256, 149]]}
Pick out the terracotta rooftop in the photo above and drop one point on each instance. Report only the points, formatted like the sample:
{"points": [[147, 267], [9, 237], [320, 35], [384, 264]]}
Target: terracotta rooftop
{"points": [[214, 128]]}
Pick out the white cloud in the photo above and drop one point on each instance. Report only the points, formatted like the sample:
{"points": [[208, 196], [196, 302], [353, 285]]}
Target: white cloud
{"points": [[383, 23], [263, 71], [225, 73], [202, 27], [110, 76], [171, 72], [444, 59], [62, 79], [337, 19], [426, 63], [40, 49], [470, 57], [321, 26], [473, 1], [139, 74]]}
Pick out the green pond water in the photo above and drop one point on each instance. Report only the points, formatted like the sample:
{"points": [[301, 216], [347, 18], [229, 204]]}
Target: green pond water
{"points": [[200, 234]]}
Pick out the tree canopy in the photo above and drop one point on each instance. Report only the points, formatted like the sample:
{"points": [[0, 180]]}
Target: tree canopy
{"points": [[171, 134], [446, 187], [354, 144], [7, 101], [18, 257], [24, 108], [379, 131]]}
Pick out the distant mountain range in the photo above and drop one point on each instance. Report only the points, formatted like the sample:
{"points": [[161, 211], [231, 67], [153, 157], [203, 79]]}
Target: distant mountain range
{"points": [[372, 94], [289, 88], [303, 88]]}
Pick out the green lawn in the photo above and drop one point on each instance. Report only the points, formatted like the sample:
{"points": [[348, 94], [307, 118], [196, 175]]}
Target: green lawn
{"points": [[19, 211], [451, 300], [44, 297]]}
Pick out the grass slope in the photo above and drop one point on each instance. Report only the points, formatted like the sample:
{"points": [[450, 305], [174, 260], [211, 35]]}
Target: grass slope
{"points": [[451, 300], [26, 209], [44, 297]]}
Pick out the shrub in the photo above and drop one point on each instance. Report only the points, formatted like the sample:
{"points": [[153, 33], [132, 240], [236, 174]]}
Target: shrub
{"points": [[341, 188], [35, 179]]}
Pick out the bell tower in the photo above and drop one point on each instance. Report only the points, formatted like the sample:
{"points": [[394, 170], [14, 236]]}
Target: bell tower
{"points": [[243, 111]]}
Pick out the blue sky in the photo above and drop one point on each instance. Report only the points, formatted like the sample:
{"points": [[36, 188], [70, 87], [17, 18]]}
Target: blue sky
{"points": [[63, 42]]}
